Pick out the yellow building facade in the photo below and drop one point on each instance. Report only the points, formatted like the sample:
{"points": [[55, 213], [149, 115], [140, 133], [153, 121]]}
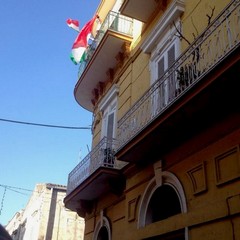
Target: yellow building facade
{"points": [[162, 83]]}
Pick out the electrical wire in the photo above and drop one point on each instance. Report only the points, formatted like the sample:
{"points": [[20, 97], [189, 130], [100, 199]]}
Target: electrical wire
{"points": [[25, 194], [44, 125], [17, 188], [22, 190]]}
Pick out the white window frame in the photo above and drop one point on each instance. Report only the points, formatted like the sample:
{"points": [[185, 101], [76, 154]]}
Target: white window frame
{"points": [[162, 53], [163, 35], [108, 106], [157, 44], [160, 33]]}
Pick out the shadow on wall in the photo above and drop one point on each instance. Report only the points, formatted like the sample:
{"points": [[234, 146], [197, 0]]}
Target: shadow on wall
{"points": [[4, 234]]}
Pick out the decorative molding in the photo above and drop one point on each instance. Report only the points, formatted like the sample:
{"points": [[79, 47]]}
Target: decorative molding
{"points": [[168, 178], [112, 93], [158, 172], [197, 176], [233, 204], [120, 58], [172, 14], [85, 207], [100, 87], [110, 75], [93, 101], [227, 166], [95, 93], [126, 49], [102, 222], [132, 209], [97, 119]]}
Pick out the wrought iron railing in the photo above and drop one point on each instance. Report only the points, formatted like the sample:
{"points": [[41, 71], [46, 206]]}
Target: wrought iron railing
{"points": [[114, 22], [219, 40], [101, 156]]}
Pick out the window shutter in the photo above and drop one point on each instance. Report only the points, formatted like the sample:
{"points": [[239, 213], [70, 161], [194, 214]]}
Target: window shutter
{"points": [[160, 68], [110, 125], [171, 56]]}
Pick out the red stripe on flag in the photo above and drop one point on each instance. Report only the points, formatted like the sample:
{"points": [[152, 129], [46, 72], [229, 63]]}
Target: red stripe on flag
{"points": [[81, 40]]}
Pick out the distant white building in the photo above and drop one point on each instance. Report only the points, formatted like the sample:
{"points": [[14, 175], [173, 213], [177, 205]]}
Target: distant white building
{"points": [[46, 218]]}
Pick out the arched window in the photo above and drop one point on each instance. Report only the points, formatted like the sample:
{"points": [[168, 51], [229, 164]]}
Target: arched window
{"points": [[102, 230], [163, 197], [164, 203], [103, 234]]}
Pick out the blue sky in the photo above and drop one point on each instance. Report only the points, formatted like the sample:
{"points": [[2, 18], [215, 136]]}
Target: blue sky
{"points": [[37, 79]]}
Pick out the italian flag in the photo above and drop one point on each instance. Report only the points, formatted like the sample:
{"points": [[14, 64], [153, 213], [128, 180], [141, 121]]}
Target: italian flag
{"points": [[81, 42], [73, 24]]}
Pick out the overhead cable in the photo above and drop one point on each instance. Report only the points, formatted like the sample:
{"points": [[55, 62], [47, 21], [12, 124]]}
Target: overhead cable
{"points": [[13, 187], [44, 125]]}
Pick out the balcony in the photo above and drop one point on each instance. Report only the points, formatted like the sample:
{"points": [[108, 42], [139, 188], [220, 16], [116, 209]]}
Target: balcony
{"points": [[115, 31], [139, 9], [193, 94], [95, 175]]}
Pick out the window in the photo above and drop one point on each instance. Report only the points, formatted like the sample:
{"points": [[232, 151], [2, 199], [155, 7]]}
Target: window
{"points": [[166, 86], [103, 234], [108, 107], [108, 127], [163, 198], [164, 203], [102, 230], [165, 60], [163, 46]]}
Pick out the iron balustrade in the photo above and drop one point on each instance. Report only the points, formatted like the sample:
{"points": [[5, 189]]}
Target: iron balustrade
{"points": [[114, 22], [218, 41], [101, 156]]}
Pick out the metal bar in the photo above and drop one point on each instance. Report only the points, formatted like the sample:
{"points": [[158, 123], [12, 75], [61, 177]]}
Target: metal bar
{"points": [[101, 156], [210, 48], [115, 22]]}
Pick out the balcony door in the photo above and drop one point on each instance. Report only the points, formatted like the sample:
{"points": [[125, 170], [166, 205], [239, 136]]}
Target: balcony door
{"points": [[108, 108], [109, 121], [163, 81], [163, 44]]}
